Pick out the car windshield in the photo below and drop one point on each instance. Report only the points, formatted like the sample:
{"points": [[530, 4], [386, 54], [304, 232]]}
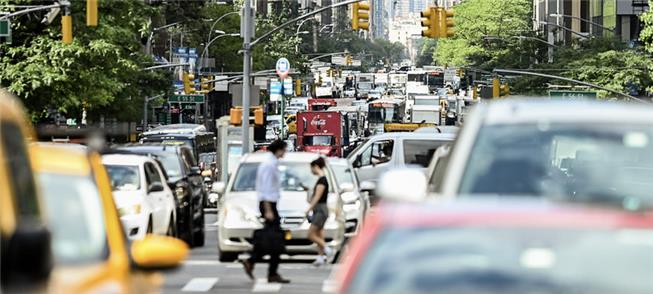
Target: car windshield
{"points": [[124, 177], [75, 217], [343, 174], [378, 114], [612, 164], [506, 260], [293, 177], [318, 140], [172, 165]]}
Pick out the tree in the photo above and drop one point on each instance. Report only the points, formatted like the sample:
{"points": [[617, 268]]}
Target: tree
{"points": [[646, 34], [101, 70], [486, 34]]}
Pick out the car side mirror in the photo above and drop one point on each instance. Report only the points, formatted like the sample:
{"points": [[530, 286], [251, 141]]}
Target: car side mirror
{"points": [[357, 162], [155, 187], [195, 171], [156, 252], [218, 187], [346, 187], [406, 184]]}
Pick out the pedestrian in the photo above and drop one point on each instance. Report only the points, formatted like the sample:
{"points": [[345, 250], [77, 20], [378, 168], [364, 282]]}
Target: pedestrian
{"points": [[268, 189], [318, 212]]}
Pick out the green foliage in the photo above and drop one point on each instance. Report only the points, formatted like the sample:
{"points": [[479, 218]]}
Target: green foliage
{"points": [[478, 20], [646, 34], [100, 69]]}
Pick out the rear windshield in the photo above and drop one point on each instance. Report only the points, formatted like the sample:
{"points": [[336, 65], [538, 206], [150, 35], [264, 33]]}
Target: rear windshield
{"points": [[507, 260], [420, 152]]}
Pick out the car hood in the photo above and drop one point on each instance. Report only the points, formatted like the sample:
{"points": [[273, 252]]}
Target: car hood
{"points": [[290, 203], [127, 198]]}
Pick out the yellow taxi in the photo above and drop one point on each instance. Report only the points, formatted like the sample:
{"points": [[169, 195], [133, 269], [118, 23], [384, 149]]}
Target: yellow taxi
{"points": [[24, 239], [91, 252]]}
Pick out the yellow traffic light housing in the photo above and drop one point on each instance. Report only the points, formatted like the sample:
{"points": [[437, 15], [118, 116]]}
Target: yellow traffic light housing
{"points": [[348, 60], [360, 16], [496, 88], [91, 13], [447, 23], [67, 29], [204, 84], [504, 89], [430, 22], [298, 87], [259, 120], [189, 83]]}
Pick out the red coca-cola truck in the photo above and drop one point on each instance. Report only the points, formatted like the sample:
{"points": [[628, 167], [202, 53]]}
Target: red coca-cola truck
{"points": [[320, 104], [324, 132]]}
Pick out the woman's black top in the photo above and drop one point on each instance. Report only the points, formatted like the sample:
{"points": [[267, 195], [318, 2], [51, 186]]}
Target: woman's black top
{"points": [[323, 180]]}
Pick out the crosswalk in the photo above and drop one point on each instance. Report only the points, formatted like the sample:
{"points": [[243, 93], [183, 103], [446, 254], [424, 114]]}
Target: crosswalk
{"points": [[207, 284]]}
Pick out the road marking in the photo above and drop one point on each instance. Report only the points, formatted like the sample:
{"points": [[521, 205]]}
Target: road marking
{"points": [[262, 285], [328, 286], [201, 262], [199, 285]]}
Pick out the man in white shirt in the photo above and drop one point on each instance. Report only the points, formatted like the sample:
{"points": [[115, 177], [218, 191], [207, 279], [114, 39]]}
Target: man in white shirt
{"points": [[268, 190]]}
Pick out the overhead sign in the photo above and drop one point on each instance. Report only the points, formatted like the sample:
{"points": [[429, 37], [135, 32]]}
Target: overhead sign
{"points": [[449, 75], [5, 28], [283, 67], [573, 94], [338, 60]]}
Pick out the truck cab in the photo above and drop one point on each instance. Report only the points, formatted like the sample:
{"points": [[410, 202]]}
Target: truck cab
{"points": [[324, 132], [320, 104]]}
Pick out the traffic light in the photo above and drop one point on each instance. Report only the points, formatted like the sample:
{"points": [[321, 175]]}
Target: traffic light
{"points": [[430, 22], [504, 90], [360, 16], [446, 23], [496, 88], [67, 29], [236, 116], [258, 117], [348, 60], [189, 83], [298, 87], [204, 83], [91, 13]]}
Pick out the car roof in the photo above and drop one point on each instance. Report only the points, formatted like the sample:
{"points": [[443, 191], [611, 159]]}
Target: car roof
{"points": [[289, 157], [124, 159], [413, 135], [153, 148], [59, 159], [515, 111], [502, 212], [338, 161]]}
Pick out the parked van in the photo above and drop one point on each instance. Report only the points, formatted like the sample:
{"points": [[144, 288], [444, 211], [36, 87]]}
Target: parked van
{"points": [[395, 150]]}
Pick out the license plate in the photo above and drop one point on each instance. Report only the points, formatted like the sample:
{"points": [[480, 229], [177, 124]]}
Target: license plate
{"points": [[288, 235]]}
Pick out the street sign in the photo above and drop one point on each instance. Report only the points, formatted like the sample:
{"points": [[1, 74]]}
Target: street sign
{"points": [[449, 75], [573, 94], [283, 67], [186, 99], [5, 28], [276, 88], [288, 88], [338, 60]]}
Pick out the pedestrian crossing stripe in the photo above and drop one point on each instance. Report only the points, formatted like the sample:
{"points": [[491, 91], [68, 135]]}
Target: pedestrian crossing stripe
{"points": [[199, 285], [262, 285]]}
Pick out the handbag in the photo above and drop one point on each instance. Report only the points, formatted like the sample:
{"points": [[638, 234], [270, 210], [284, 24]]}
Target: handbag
{"points": [[269, 240]]}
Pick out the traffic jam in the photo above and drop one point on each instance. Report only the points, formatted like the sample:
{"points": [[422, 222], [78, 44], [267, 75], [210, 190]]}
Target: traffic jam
{"points": [[387, 182]]}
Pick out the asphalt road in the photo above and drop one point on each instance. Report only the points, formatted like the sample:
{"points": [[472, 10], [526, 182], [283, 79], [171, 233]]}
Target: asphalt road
{"points": [[202, 272]]}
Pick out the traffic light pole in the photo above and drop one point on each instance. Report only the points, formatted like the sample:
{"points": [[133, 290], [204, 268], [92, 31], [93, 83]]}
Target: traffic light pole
{"points": [[246, 30]]}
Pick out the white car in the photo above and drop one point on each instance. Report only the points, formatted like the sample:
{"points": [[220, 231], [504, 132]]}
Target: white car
{"points": [[355, 195], [145, 202], [239, 213]]}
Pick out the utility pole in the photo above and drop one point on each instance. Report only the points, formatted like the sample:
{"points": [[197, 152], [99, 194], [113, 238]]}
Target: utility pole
{"points": [[245, 31]]}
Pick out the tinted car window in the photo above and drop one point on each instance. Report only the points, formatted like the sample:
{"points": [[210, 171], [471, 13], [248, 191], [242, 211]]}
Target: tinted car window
{"points": [[507, 260], [124, 177], [420, 152], [19, 173]]}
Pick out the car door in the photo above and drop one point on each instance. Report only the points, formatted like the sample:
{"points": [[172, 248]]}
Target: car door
{"points": [[156, 199], [375, 159], [194, 177]]}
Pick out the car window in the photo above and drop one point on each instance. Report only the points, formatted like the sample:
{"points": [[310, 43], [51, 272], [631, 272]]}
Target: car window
{"points": [[506, 260], [435, 183], [188, 158], [124, 177], [611, 164], [293, 177], [420, 152], [152, 174], [172, 165], [19, 173], [343, 174], [76, 218], [382, 151]]}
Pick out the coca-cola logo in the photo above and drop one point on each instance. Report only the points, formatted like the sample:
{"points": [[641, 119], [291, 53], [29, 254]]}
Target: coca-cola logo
{"points": [[318, 122]]}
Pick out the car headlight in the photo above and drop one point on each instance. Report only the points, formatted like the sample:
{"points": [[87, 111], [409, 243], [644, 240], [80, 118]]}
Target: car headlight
{"points": [[180, 192], [128, 210]]}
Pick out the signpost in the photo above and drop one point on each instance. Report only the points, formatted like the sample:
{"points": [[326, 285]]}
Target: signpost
{"points": [[573, 94], [186, 98], [283, 68]]}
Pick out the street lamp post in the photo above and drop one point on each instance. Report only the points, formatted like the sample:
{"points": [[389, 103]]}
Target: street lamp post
{"points": [[325, 26], [206, 47], [208, 40], [297, 34], [145, 102]]}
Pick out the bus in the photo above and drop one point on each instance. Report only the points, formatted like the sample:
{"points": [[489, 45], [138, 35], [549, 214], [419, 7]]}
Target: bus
{"points": [[384, 111], [192, 135]]}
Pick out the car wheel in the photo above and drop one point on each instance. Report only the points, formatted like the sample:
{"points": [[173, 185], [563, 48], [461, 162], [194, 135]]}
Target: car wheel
{"points": [[172, 227], [187, 233], [199, 236], [228, 256]]}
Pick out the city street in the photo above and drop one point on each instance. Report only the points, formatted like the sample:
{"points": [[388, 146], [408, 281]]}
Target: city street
{"points": [[202, 272]]}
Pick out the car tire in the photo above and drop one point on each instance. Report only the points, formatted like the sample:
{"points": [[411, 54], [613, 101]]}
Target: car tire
{"points": [[199, 236], [149, 226], [187, 233], [228, 256], [172, 227]]}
